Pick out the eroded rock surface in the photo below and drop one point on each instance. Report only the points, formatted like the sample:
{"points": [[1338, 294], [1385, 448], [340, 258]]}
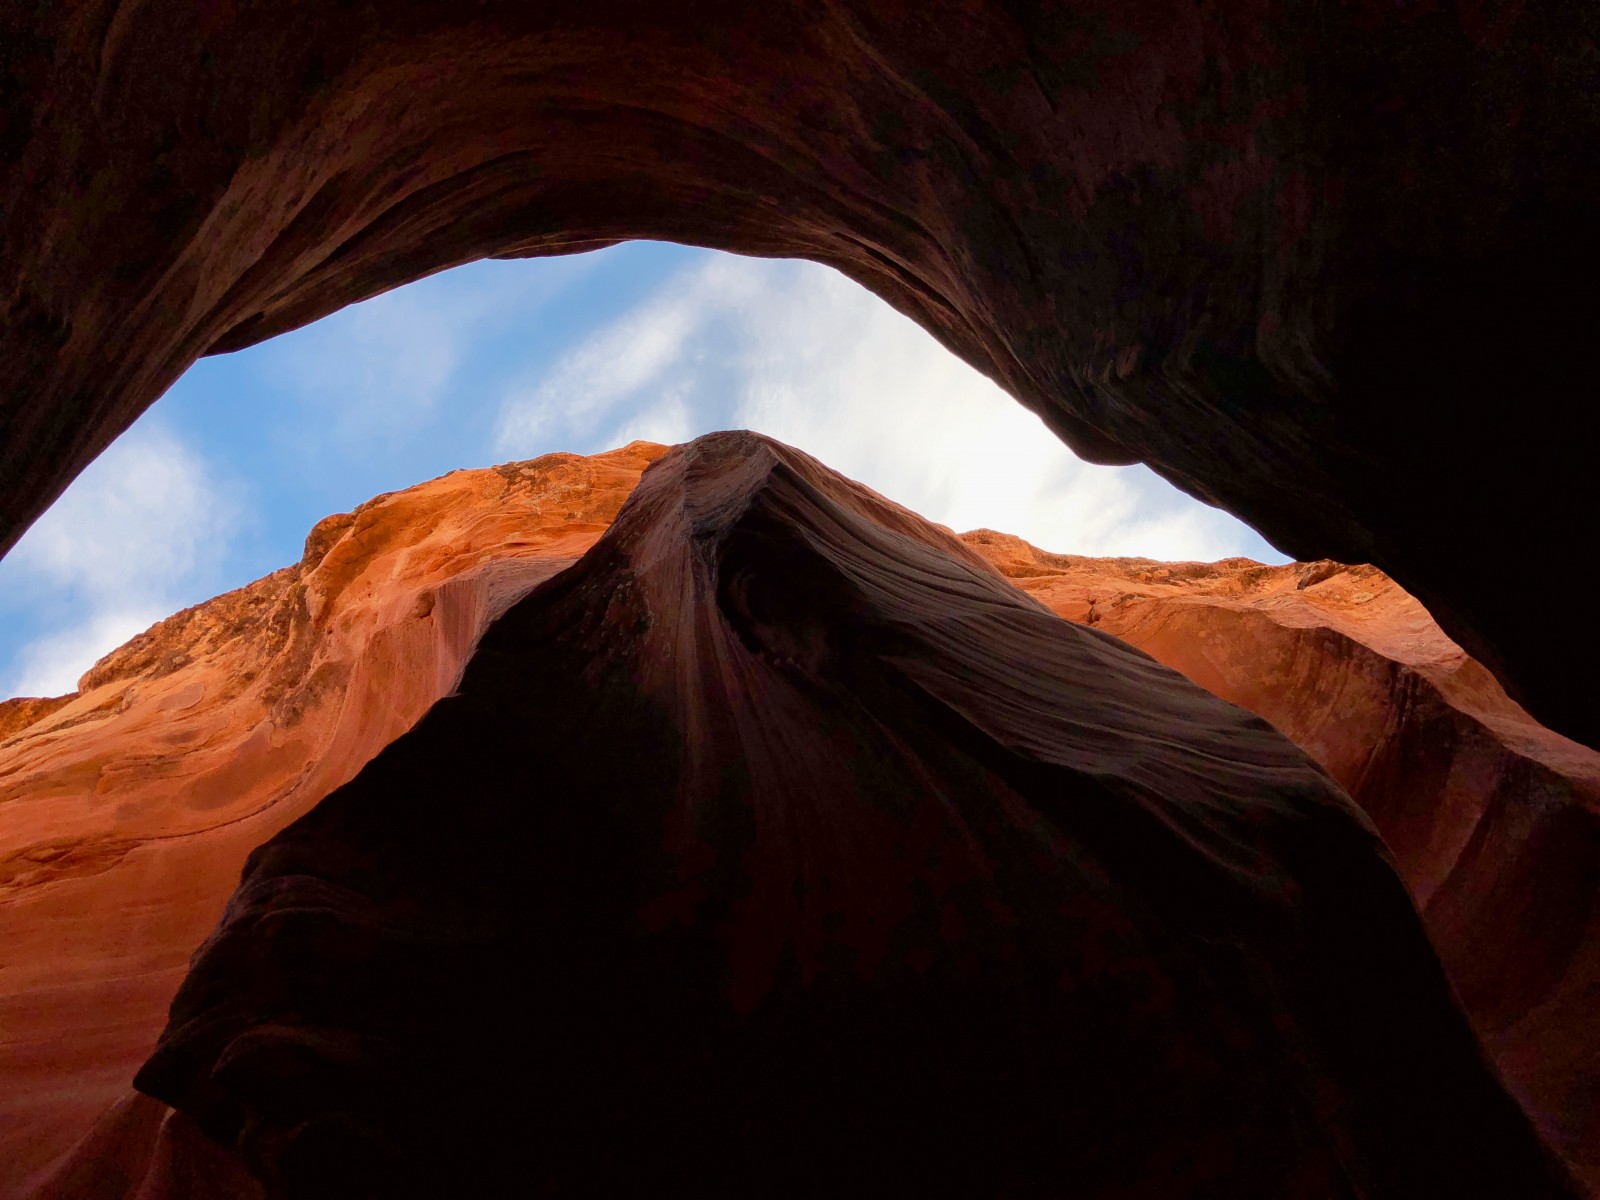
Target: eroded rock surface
{"points": [[780, 846], [1328, 264], [1494, 820], [127, 809]]}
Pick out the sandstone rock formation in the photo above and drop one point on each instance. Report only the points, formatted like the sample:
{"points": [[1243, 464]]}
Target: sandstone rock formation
{"points": [[1327, 264], [780, 847], [127, 809], [1494, 821], [160, 773]]}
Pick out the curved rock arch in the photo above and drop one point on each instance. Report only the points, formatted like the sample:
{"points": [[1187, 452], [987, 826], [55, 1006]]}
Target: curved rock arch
{"points": [[1326, 265]]}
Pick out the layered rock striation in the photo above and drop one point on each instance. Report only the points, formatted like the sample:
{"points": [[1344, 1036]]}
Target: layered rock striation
{"points": [[780, 845], [1327, 264], [128, 808]]}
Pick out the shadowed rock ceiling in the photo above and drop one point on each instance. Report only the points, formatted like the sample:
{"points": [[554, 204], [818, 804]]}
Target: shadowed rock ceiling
{"points": [[1326, 265]]}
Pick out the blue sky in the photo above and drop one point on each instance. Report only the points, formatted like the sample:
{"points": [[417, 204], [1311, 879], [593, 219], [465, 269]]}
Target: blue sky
{"points": [[219, 482]]}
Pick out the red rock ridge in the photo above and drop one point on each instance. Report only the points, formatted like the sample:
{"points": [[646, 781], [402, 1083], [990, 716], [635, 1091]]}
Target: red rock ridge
{"points": [[127, 809], [1493, 819]]}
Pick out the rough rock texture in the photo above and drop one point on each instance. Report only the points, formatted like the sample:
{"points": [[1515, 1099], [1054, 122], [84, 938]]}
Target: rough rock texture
{"points": [[127, 809], [780, 847], [1329, 264], [1493, 820]]}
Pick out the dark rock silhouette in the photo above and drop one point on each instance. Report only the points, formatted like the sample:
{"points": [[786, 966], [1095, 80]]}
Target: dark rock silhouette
{"points": [[1494, 821], [780, 846], [1327, 264]]}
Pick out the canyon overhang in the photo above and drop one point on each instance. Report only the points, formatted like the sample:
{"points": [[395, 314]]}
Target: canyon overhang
{"points": [[1328, 265]]}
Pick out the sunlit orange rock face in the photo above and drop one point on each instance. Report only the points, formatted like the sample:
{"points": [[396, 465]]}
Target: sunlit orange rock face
{"points": [[127, 810], [1493, 819]]}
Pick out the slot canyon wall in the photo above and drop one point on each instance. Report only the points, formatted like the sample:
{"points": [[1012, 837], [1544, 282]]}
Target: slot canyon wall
{"points": [[127, 810], [1328, 265]]}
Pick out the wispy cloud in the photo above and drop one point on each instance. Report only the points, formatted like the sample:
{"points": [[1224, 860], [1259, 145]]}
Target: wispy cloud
{"points": [[380, 368], [799, 352], [662, 352], [51, 665], [139, 518], [129, 542]]}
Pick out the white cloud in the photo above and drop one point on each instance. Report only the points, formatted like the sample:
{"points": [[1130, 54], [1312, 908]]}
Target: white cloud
{"points": [[379, 368], [132, 540], [139, 518], [658, 350], [51, 665], [669, 421], [797, 351], [623, 358]]}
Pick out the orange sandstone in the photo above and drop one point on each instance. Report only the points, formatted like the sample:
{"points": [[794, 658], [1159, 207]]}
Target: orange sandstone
{"points": [[127, 809]]}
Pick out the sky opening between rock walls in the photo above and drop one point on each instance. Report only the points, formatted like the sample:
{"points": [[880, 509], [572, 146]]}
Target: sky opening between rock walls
{"points": [[219, 482]]}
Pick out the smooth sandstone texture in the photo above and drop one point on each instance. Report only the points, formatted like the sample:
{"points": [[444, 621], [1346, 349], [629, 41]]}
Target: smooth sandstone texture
{"points": [[128, 809], [1327, 264], [1494, 821], [781, 847]]}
